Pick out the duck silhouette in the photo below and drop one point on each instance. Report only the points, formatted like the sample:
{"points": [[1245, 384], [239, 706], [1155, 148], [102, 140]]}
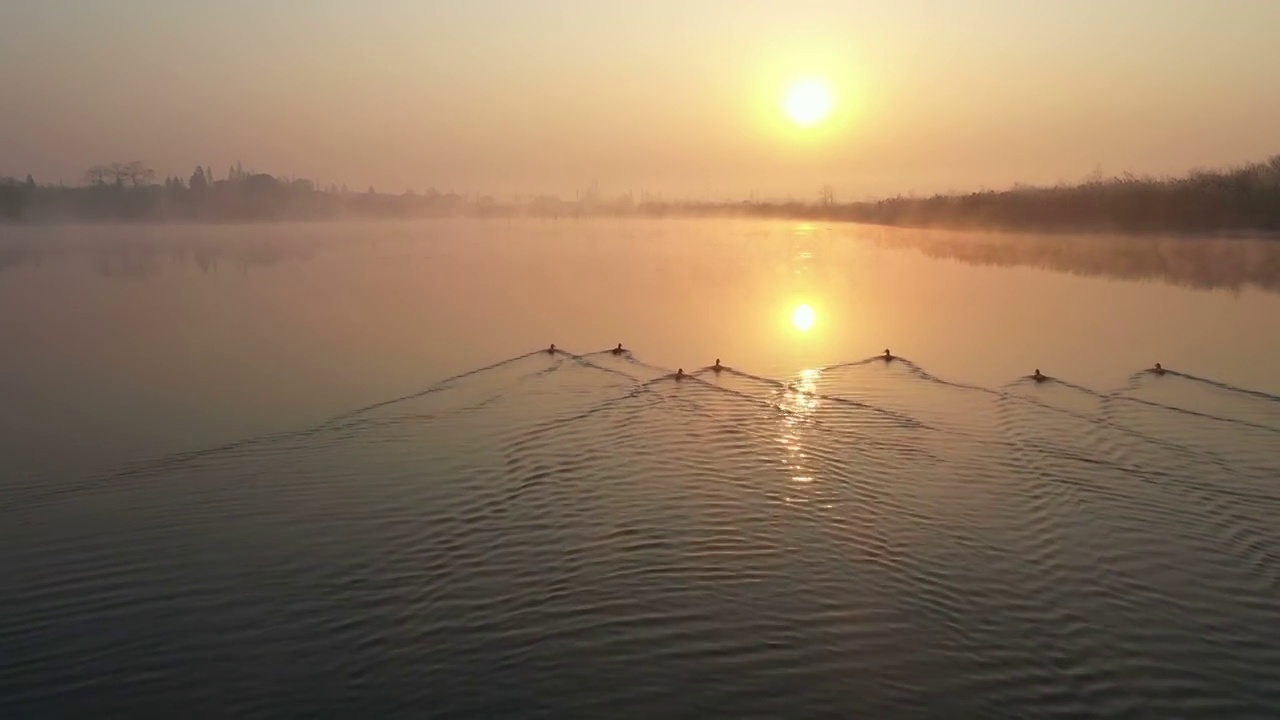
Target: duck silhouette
{"points": [[1158, 370], [1038, 377], [618, 350], [717, 367]]}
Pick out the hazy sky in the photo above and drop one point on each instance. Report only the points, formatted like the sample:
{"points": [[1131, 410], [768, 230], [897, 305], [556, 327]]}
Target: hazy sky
{"points": [[682, 96]]}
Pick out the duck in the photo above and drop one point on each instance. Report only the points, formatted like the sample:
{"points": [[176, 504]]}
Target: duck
{"points": [[1038, 377], [551, 350], [888, 356], [618, 350], [1158, 370], [680, 373], [717, 367]]}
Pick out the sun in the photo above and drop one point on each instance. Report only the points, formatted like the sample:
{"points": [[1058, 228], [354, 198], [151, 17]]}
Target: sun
{"points": [[808, 103], [804, 318]]}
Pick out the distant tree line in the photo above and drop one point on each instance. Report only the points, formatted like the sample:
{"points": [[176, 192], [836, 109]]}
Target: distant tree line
{"points": [[1241, 199], [1244, 199], [130, 192]]}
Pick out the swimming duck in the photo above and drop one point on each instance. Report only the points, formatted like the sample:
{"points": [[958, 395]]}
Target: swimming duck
{"points": [[618, 350], [717, 367], [1158, 370], [888, 356], [551, 350], [1038, 377], [680, 373]]}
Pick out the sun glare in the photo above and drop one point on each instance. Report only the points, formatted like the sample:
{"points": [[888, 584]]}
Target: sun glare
{"points": [[803, 318], [808, 103]]}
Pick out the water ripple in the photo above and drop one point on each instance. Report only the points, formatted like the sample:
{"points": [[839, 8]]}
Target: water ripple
{"points": [[562, 535]]}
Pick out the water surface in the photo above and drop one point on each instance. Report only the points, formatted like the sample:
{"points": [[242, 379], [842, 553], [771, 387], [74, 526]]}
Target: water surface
{"points": [[281, 470]]}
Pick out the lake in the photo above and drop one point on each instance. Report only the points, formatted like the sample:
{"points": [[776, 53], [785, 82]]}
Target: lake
{"points": [[272, 470]]}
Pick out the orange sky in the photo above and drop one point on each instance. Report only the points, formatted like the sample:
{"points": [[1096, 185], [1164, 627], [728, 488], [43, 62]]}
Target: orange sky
{"points": [[505, 96]]}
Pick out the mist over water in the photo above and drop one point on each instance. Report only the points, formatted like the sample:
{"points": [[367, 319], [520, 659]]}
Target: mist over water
{"points": [[281, 470]]}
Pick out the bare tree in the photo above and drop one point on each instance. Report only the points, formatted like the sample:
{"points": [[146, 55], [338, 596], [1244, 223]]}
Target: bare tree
{"points": [[138, 173], [828, 196], [97, 175]]}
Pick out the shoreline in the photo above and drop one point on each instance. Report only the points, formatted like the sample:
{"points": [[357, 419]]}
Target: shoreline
{"points": [[701, 213]]}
